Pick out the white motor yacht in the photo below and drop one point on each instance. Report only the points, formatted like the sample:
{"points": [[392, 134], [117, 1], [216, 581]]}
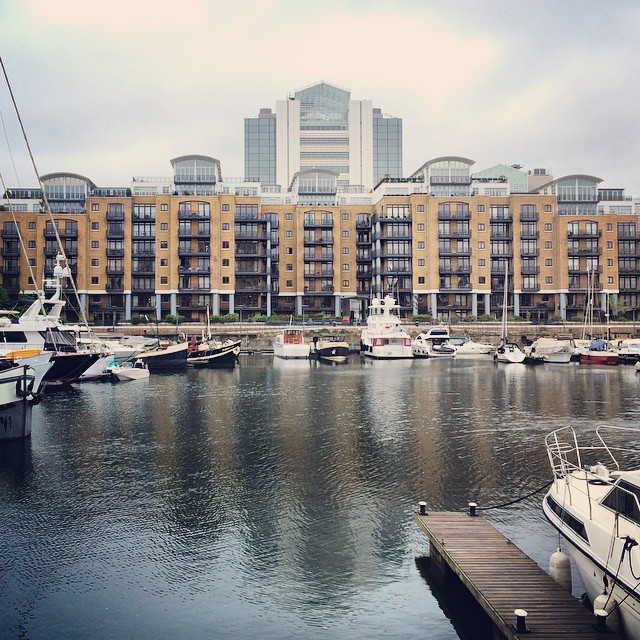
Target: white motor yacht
{"points": [[384, 337], [433, 343], [594, 504], [290, 343], [128, 371], [551, 350], [465, 346]]}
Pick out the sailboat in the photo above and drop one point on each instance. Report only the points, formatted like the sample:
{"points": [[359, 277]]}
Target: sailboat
{"points": [[595, 351], [507, 352], [213, 353]]}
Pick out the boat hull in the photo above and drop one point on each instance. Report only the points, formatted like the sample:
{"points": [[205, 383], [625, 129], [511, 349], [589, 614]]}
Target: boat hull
{"points": [[15, 420], [610, 359], [223, 356], [68, 367], [509, 354], [173, 358], [291, 351], [333, 353]]}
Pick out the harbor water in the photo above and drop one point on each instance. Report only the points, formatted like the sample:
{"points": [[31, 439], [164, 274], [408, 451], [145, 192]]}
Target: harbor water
{"points": [[275, 500]]}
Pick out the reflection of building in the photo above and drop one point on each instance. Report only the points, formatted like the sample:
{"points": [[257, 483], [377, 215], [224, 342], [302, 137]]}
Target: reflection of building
{"points": [[438, 241], [321, 128]]}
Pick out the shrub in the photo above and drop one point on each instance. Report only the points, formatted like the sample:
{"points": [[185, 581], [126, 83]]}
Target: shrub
{"points": [[173, 319]]}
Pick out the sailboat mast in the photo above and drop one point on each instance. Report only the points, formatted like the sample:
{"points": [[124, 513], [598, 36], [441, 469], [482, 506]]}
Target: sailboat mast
{"points": [[504, 301]]}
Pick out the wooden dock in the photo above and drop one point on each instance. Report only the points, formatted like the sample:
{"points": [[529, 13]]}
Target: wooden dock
{"points": [[502, 578]]}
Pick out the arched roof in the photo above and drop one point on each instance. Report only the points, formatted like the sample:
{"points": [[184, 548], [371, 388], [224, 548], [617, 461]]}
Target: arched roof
{"points": [[64, 174], [440, 159], [572, 176], [194, 157]]}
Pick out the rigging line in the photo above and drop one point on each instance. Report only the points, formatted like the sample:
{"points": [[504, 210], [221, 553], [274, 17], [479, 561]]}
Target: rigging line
{"points": [[44, 195], [15, 222], [512, 502], [6, 137]]}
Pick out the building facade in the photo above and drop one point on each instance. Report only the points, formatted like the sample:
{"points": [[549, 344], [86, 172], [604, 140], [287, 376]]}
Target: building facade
{"points": [[438, 241], [321, 128]]}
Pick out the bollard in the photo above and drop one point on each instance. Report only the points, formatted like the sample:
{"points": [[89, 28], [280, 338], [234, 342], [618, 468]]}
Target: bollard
{"points": [[472, 508], [601, 620], [423, 507], [521, 621]]}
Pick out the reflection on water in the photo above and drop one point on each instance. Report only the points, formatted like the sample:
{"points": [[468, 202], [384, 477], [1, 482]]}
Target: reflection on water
{"points": [[275, 500]]}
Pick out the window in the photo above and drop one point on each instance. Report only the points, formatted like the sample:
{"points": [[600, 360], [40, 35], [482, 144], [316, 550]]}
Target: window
{"points": [[547, 208], [345, 234], [420, 208], [32, 262], [345, 216], [548, 280], [164, 226], [609, 244], [609, 262], [32, 225], [289, 284], [225, 226], [345, 267], [95, 262], [164, 244], [289, 234], [95, 244], [345, 251], [225, 207], [289, 216], [421, 262], [345, 283], [547, 226], [609, 226], [480, 245], [609, 280], [420, 278], [420, 245], [95, 226], [94, 280], [32, 244], [30, 280], [95, 206], [289, 251], [548, 262], [225, 262], [481, 226], [164, 207], [482, 262], [225, 244], [548, 245], [289, 266], [482, 280], [421, 226]]}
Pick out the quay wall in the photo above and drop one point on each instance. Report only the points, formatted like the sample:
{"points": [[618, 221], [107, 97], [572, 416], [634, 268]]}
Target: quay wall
{"points": [[259, 336]]}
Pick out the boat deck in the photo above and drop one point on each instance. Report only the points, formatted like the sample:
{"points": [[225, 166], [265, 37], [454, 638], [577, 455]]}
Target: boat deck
{"points": [[502, 578]]}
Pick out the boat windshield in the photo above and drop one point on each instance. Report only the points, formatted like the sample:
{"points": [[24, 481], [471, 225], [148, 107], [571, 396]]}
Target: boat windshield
{"points": [[623, 499]]}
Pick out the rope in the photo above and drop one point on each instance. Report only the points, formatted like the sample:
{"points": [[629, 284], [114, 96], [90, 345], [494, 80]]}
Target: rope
{"points": [[512, 502]]}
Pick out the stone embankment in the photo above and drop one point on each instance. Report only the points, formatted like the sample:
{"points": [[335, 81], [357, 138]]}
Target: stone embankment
{"points": [[259, 336]]}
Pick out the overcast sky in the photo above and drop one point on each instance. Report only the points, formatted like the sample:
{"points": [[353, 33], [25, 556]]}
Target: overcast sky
{"points": [[115, 89]]}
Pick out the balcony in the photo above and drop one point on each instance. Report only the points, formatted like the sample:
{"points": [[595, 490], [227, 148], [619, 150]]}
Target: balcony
{"points": [[115, 272], [320, 274], [584, 235], [9, 232], [529, 253], [114, 287], [115, 253], [454, 215], [115, 216], [11, 251], [310, 242], [190, 215], [529, 271], [529, 235], [445, 252], [322, 224], [187, 271], [322, 289], [593, 251]]}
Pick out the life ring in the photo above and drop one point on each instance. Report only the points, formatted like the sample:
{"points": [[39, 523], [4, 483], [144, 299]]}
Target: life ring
{"points": [[23, 390]]}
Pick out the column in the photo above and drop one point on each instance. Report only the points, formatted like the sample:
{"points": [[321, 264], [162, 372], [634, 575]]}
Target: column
{"points": [[338, 310], [174, 304], [127, 307], [215, 308], [563, 306], [487, 304], [158, 307], [232, 303], [298, 305], [516, 304], [474, 305], [434, 305], [414, 300]]}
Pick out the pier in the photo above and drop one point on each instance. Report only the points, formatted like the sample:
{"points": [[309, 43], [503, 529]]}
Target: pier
{"points": [[520, 598]]}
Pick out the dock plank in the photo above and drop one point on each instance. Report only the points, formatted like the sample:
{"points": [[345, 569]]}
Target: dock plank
{"points": [[502, 578]]}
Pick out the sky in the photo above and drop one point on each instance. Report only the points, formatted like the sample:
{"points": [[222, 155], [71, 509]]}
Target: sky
{"points": [[115, 90]]}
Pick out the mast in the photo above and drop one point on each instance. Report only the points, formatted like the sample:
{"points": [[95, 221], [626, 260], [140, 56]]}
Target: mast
{"points": [[504, 301]]}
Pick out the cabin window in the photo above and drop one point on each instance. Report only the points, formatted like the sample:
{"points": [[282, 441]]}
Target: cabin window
{"points": [[623, 498], [568, 519]]}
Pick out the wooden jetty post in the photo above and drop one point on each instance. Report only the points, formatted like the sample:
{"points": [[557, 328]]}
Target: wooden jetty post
{"points": [[521, 599]]}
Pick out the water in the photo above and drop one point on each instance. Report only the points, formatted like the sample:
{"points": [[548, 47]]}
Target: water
{"points": [[275, 500]]}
